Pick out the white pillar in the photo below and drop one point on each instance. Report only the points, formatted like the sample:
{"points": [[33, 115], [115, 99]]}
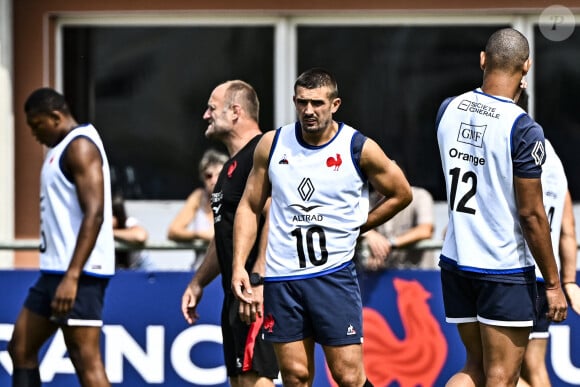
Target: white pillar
{"points": [[7, 135]]}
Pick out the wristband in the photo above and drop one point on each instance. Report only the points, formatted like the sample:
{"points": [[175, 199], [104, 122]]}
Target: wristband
{"points": [[392, 243], [256, 279]]}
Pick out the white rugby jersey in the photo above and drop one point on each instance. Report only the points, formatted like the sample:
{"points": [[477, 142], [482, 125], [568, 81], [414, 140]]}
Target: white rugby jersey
{"points": [[483, 142], [319, 202], [555, 187], [61, 215]]}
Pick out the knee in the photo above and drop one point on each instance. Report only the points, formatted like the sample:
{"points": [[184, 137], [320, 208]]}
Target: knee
{"points": [[295, 375], [472, 373], [350, 379], [19, 355], [500, 376], [84, 357], [533, 363]]}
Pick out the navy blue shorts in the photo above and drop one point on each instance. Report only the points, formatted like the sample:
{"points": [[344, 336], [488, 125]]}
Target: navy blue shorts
{"points": [[541, 329], [88, 306], [489, 302], [243, 344], [327, 308]]}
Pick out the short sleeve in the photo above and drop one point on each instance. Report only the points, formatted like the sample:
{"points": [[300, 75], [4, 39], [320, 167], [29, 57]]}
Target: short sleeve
{"points": [[528, 148]]}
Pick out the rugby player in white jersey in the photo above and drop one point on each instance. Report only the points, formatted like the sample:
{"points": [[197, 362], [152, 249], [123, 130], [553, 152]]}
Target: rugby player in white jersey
{"points": [[77, 251], [492, 154]]}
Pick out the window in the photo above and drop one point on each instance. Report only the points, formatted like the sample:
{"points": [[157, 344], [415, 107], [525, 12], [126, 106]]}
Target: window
{"points": [[392, 80], [557, 78], [146, 88]]}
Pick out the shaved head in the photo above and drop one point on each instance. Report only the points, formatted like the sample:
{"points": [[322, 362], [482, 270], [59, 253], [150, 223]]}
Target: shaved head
{"points": [[506, 50], [242, 93]]}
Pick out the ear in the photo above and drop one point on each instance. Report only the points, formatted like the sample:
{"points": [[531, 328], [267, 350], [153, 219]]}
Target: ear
{"points": [[236, 111], [482, 60], [56, 116], [336, 104], [527, 65]]}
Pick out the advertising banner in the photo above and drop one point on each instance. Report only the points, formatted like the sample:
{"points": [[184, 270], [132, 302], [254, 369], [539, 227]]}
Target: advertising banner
{"points": [[146, 341]]}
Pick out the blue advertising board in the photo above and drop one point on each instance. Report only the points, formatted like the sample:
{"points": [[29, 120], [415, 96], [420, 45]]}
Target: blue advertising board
{"points": [[146, 341]]}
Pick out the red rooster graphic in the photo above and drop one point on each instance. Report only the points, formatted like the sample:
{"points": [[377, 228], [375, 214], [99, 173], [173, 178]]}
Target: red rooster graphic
{"points": [[332, 162], [413, 361], [269, 323], [232, 168]]}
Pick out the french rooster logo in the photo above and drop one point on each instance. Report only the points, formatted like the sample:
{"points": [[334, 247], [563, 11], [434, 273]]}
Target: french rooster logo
{"points": [[232, 168], [269, 323], [334, 162], [415, 360]]}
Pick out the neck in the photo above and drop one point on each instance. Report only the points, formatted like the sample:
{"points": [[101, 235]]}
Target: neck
{"points": [[321, 137], [240, 138], [64, 128], [502, 85]]}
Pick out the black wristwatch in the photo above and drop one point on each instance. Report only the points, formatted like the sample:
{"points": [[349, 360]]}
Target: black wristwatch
{"points": [[256, 279]]}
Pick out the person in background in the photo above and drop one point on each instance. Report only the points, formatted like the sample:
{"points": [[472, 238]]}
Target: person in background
{"points": [[389, 246], [77, 250], [232, 115], [492, 154], [127, 229], [195, 219], [560, 211], [559, 208], [317, 172]]}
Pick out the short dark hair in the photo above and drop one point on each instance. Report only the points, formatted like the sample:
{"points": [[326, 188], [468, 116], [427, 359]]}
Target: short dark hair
{"points": [[317, 77], [506, 49], [45, 100]]}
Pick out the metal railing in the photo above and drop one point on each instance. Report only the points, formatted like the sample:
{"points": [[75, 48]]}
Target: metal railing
{"points": [[198, 245], [33, 244]]}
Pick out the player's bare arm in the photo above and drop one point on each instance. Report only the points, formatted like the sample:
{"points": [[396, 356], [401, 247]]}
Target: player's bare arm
{"points": [[388, 179], [207, 272], [249, 312], [247, 218], [536, 230], [84, 163]]}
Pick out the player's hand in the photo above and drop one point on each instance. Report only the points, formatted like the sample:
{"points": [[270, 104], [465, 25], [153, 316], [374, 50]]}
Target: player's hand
{"points": [[189, 302], [379, 249], [373, 263], [241, 285], [557, 306], [64, 297], [379, 245], [250, 312], [573, 292]]}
